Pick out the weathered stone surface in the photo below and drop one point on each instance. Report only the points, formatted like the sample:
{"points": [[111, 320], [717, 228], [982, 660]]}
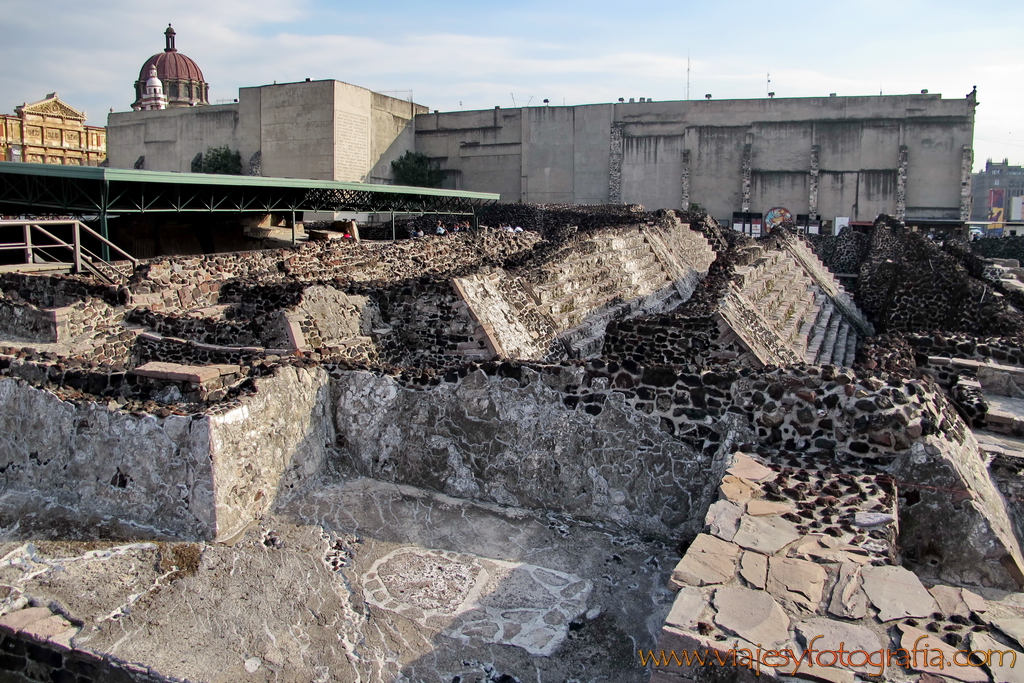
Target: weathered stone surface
{"points": [[828, 634], [754, 568], [765, 534], [829, 549], [872, 519], [969, 536], [45, 629], [762, 508], [796, 581], [16, 621], [751, 615], [897, 593], [595, 465], [1011, 627], [939, 658], [949, 600], [747, 468], [735, 490], [826, 674], [1005, 664], [495, 601], [707, 561], [686, 608], [723, 519], [848, 598]]}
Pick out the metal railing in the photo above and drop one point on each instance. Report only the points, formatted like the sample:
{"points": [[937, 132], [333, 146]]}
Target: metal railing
{"points": [[37, 241]]}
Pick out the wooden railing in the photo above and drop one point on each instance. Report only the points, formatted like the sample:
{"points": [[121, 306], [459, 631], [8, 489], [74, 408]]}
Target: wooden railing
{"points": [[38, 242]]}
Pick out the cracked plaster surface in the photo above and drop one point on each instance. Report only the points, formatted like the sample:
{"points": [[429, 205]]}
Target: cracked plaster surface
{"points": [[292, 600]]}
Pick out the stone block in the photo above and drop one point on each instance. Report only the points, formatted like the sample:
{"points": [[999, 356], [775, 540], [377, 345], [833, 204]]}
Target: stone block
{"points": [[707, 561], [14, 622]]}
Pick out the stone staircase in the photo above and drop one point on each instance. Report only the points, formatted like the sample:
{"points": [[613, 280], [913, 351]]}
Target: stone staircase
{"points": [[803, 308], [612, 275]]}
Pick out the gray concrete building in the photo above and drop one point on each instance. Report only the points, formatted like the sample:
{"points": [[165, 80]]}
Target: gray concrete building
{"points": [[834, 158], [321, 130]]}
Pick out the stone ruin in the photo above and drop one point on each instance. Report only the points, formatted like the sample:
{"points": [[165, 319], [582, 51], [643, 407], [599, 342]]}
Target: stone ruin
{"points": [[573, 453]]}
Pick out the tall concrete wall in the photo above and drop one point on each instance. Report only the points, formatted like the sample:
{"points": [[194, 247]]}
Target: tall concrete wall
{"points": [[564, 154], [170, 138], [324, 130]]}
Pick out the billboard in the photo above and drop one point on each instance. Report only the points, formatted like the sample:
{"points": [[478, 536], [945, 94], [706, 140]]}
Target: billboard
{"points": [[996, 210]]}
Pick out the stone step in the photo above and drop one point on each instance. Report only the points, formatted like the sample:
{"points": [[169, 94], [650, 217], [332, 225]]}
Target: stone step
{"points": [[838, 356], [829, 344], [851, 349], [819, 331]]}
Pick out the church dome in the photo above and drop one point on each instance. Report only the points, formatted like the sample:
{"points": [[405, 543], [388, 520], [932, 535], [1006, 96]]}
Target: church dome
{"points": [[182, 78]]}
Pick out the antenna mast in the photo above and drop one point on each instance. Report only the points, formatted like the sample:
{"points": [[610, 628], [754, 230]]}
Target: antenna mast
{"points": [[687, 74]]}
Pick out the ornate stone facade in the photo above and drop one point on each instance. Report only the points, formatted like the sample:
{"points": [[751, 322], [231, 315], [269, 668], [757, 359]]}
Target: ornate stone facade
{"points": [[51, 132]]}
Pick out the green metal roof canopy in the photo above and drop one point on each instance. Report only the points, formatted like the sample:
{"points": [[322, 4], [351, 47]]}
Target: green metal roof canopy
{"points": [[44, 188]]}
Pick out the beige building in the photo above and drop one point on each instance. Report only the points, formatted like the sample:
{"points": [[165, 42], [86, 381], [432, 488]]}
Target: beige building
{"points": [[832, 159], [51, 132], [322, 130]]}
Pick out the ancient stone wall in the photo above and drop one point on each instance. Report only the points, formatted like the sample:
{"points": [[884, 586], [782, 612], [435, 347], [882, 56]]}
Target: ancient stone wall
{"points": [[909, 283], [289, 417], [668, 339], [34, 648], [102, 467], [1001, 247], [842, 253]]}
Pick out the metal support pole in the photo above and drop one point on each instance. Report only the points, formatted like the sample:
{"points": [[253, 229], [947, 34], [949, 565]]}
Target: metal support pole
{"points": [[78, 247], [28, 243], [104, 198], [293, 227], [392, 226]]}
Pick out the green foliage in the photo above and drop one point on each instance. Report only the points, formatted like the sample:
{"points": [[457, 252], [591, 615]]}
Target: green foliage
{"points": [[222, 160], [416, 169]]}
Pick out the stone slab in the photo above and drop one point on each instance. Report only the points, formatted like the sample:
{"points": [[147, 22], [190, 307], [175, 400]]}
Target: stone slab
{"points": [[751, 615], [747, 468], [43, 629], [765, 534], [761, 508], [735, 490], [1014, 628], [897, 593], [708, 560], [848, 598], [16, 621], [754, 568], [1005, 664], [723, 519], [796, 581], [950, 601], [829, 634], [686, 608], [938, 652], [177, 373]]}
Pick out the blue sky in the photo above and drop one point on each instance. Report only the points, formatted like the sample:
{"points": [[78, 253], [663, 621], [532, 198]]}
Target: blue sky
{"points": [[475, 55]]}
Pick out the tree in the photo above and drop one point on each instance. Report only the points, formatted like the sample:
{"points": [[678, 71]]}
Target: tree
{"points": [[222, 160], [416, 169]]}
